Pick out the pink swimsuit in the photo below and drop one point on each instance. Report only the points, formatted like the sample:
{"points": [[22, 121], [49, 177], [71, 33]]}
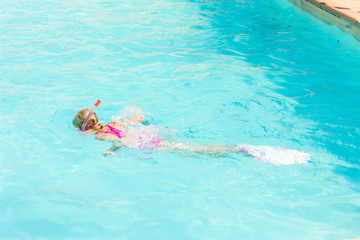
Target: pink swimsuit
{"points": [[113, 131], [143, 143]]}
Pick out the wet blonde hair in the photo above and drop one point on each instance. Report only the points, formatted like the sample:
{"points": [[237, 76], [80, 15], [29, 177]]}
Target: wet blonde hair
{"points": [[80, 118]]}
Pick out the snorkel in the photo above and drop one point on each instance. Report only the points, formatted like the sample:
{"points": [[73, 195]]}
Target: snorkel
{"points": [[92, 110]]}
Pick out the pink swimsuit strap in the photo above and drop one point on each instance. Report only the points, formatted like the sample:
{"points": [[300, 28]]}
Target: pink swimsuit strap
{"points": [[113, 131]]}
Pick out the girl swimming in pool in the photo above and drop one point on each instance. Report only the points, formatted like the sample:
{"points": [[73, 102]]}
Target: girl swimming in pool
{"points": [[119, 132], [115, 131]]}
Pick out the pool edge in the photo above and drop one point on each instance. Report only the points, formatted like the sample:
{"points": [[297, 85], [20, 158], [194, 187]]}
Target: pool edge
{"points": [[332, 15]]}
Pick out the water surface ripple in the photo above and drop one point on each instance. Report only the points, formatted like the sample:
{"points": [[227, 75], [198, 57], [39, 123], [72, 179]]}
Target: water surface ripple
{"points": [[219, 72]]}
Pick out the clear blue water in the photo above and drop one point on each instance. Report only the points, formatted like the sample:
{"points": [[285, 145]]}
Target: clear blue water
{"points": [[220, 72]]}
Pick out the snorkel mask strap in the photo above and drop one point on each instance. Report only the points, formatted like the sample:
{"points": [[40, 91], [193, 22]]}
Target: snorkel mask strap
{"points": [[92, 110]]}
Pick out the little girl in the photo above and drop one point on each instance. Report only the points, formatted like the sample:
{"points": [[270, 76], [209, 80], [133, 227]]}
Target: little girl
{"points": [[118, 132], [115, 131]]}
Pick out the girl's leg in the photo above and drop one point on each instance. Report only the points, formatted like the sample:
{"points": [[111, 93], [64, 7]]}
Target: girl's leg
{"points": [[270, 154], [201, 149]]}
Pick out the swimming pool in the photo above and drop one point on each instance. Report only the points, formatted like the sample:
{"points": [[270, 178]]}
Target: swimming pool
{"points": [[219, 72]]}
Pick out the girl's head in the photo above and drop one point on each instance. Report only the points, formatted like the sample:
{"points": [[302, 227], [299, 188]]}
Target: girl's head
{"points": [[80, 118]]}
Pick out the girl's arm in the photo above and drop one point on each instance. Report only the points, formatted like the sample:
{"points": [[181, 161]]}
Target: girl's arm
{"points": [[111, 151], [134, 119], [109, 137], [137, 118]]}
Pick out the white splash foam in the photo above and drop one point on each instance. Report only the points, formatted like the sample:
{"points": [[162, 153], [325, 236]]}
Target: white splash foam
{"points": [[142, 135], [274, 155], [129, 111]]}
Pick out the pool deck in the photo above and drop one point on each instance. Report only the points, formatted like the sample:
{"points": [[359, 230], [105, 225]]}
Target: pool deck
{"points": [[348, 10], [344, 13]]}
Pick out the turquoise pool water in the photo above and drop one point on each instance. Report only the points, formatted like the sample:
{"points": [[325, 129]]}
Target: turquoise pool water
{"points": [[219, 72]]}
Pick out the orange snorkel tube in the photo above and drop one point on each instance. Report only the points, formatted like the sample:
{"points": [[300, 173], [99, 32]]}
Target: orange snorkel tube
{"points": [[92, 110]]}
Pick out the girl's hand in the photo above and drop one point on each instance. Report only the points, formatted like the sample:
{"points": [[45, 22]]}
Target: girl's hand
{"points": [[134, 119], [137, 118], [111, 151], [108, 152]]}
